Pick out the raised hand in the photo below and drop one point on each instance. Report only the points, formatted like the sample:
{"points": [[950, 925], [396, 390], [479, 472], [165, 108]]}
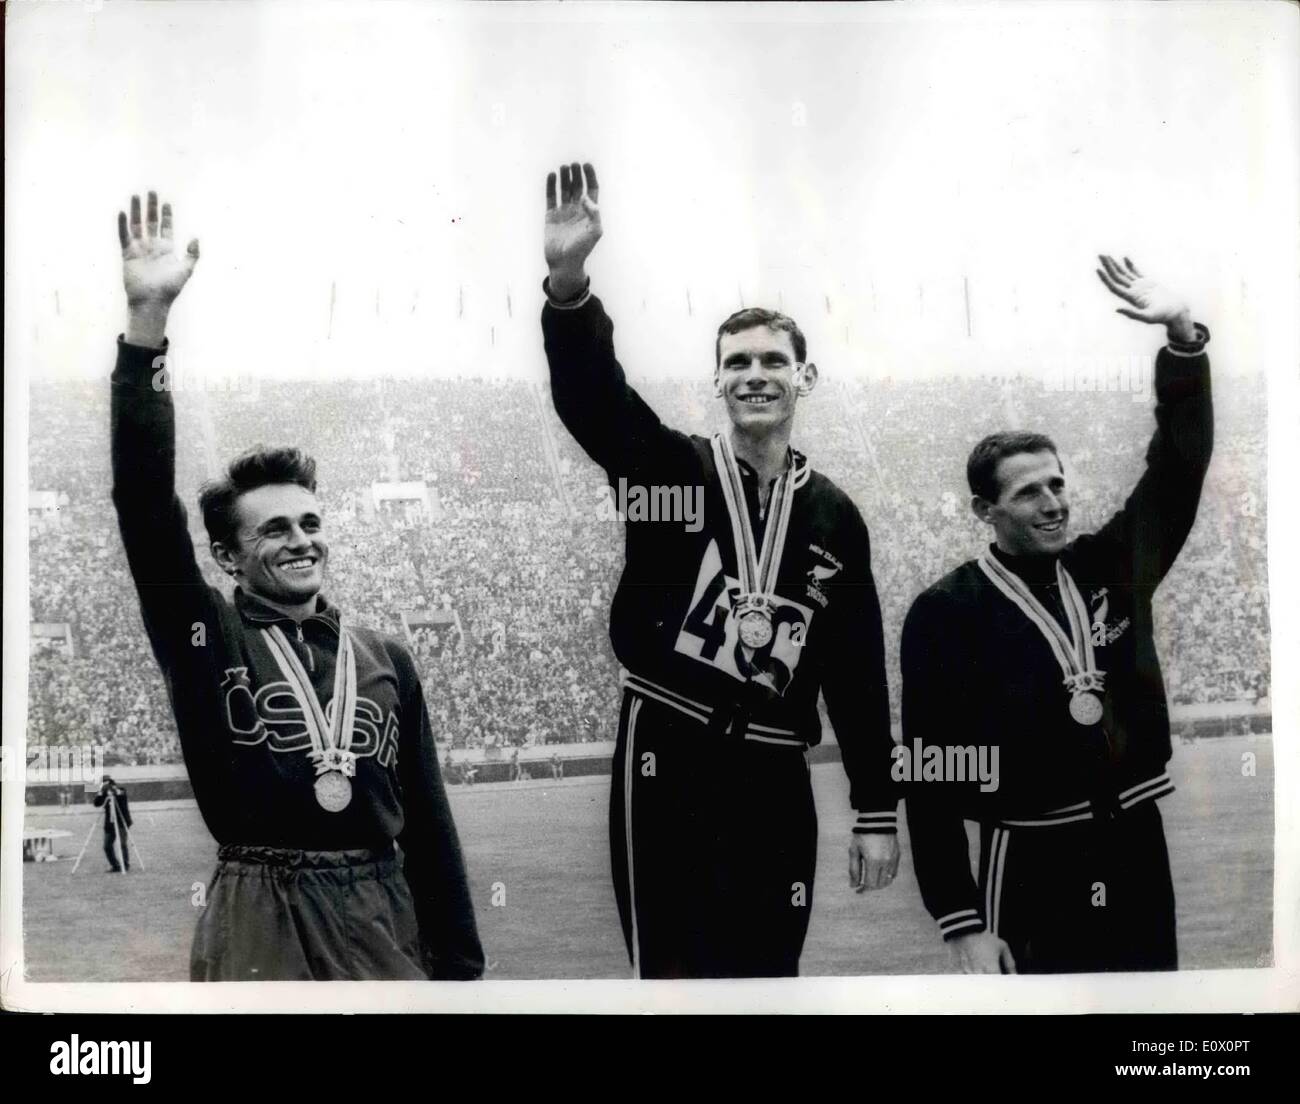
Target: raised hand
{"points": [[1148, 299], [152, 271], [572, 227]]}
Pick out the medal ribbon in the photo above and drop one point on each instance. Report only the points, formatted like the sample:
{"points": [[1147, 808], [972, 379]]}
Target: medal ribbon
{"points": [[325, 737], [758, 571], [1074, 652]]}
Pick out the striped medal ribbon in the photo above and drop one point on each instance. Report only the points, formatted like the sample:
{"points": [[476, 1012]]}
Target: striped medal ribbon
{"points": [[758, 570], [331, 738], [1074, 651]]}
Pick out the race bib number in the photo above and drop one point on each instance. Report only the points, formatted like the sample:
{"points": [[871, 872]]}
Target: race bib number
{"points": [[710, 635]]}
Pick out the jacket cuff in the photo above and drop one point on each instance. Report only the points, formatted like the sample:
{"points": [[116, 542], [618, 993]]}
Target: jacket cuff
{"points": [[881, 821], [138, 364], [571, 304], [1191, 348], [965, 921]]}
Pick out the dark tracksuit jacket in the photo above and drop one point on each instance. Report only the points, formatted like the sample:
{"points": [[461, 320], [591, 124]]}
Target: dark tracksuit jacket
{"points": [[240, 727], [1072, 801], [689, 694]]}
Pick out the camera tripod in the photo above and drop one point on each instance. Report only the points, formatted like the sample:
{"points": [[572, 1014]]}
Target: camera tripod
{"points": [[128, 843]]}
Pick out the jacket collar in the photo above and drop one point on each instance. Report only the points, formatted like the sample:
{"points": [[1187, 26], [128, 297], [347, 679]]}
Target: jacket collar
{"points": [[794, 459], [254, 609], [1035, 570]]}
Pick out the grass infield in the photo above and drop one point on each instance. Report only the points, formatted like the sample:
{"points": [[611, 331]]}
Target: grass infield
{"points": [[546, 843]]}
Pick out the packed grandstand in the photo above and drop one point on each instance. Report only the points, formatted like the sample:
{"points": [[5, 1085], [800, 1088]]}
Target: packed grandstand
{"points": [[500, 570]]}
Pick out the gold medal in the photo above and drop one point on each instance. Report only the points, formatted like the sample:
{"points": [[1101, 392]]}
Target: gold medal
{"points": [[1086, 708], [755, 628], [758, 570], [333, 792]]}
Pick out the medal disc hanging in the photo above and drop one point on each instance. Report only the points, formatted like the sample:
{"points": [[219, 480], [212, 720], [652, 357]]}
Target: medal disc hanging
{"points": [[1086, 708], [1073, 652], [333, 791], [757, 571], [330, 743], [755, 629]]}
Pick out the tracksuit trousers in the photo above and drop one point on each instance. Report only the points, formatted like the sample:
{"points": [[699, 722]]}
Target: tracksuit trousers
{"points": [[275, 914], [1083, 897], [713, 841]]}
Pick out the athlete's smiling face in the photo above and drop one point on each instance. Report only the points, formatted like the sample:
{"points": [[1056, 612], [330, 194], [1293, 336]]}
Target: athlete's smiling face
{"points": [[280, 549], [759, 378], [1032, 514]]}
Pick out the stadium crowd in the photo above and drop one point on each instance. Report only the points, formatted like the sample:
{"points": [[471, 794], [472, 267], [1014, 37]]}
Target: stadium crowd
{"points": [[502, 582]]}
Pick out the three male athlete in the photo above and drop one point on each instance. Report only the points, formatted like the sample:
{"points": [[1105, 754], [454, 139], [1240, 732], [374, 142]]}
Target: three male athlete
{"points": [[727, 630], [305, 735], [1042, 646]]}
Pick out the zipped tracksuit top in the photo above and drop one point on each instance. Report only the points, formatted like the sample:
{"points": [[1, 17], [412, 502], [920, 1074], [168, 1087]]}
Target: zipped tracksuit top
{"points": [[241, 728], [670, 622], [977, 672]]}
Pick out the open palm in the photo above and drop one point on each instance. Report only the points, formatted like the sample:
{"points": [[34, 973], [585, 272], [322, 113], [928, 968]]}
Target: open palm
{"points": [[152, 270], [572, 224], [1148, 299]]}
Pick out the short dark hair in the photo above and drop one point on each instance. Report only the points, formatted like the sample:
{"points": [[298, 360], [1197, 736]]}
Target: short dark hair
{"points": [[258, 467], [982, 467], [750, 317]]}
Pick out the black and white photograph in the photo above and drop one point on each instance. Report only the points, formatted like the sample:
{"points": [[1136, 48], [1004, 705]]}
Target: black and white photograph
{"points": [[768, 505]]}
